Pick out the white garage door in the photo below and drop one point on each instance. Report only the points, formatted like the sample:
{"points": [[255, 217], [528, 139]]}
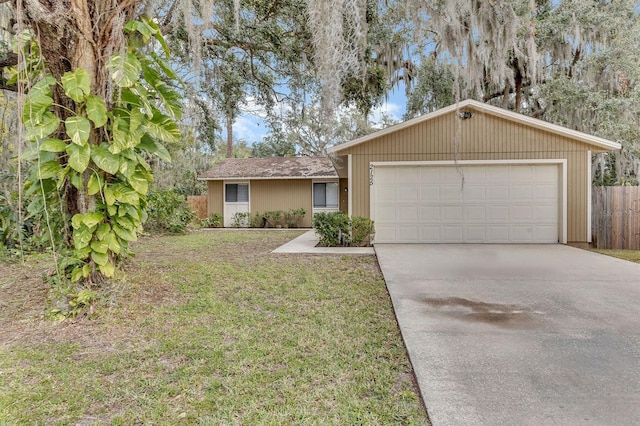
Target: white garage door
{"points": [[469, 204]]}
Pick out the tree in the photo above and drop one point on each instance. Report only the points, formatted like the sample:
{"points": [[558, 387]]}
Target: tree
{"points": [[99, 102]]}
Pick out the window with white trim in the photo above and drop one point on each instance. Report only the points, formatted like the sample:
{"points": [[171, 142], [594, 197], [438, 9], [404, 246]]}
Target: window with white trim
{"points": [[236, 193], [325, 194]]}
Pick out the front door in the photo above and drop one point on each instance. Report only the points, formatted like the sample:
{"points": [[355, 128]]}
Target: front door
{"points": [[236, 200]]}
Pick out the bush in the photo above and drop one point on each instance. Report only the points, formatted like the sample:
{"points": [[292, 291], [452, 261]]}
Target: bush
{"points": [[213, 221], [337, 229], [240, 220], [274, 219], [257, 221], [362, 231], [293, 217], [168, 212]]}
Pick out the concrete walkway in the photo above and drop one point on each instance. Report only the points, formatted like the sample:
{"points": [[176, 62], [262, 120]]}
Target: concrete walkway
{"points": [[519, 334], [306, 243]]}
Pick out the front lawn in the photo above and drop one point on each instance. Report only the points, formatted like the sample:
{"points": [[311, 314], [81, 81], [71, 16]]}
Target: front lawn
{"points": [[210, 328], [630, 255]]}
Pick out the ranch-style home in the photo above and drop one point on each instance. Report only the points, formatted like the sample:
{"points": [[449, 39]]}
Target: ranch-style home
{"points": [[468, 173], [252, 185]]}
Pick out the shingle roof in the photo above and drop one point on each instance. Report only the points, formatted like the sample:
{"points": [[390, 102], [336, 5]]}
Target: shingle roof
{"points": [[271, 168]]}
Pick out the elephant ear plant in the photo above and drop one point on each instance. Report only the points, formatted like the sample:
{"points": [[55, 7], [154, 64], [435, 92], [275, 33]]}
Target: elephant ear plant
{"points": [[92, 151]]}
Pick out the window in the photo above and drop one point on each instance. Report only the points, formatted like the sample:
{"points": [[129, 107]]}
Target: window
{"points": [[325, 194], [236, 193]]}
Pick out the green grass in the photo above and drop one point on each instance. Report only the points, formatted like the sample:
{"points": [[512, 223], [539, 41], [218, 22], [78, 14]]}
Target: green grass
{"points": [[211, 328], [631, 255]]}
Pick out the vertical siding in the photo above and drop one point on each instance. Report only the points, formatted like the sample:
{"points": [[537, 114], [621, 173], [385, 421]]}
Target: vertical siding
{"points": [[281, 194], [482, 137], [215, 193]]}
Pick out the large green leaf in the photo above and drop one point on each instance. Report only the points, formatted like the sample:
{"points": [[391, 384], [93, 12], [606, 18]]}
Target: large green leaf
{"points": [[49, 170], [157, 33], [108, 270], [81, 237], [100, 246], [103, 230], [78, 157], [35, 106], [94, 184], [53, 145], [76, 84], [125, 69], [152, 147], [48, 124], [171, 100], [76, 179], [78, 129], [163, 128], [125, 194], [109, 197], [104, 159], [142, 27], [96, 110], [89, 220], [139, 183], [99, 258], [125, 234]]}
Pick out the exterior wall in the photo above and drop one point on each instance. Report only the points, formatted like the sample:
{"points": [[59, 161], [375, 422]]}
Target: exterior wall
{"points": [[344, 195], [215, 201], [282, 194], [482, 137]]}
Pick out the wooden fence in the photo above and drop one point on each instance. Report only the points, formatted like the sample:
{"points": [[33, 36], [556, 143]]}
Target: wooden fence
{"points": [[198, 203], [615, 220]]}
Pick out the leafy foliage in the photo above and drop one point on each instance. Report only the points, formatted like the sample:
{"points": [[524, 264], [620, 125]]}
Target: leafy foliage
{"points": [[214, 220], [167, 212], [338, 229], [102, 151]]}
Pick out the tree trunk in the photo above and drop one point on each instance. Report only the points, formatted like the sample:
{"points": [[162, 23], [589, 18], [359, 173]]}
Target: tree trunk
{"points": [[78, 34], [229, 136]]}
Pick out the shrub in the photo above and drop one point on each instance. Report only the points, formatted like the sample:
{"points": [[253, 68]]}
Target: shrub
{"points": [[274, 218], [337, 229], [332, 228], [293, 217], [213, 221], [168, 212], [240, 220], [257, 221], [362, 231]]}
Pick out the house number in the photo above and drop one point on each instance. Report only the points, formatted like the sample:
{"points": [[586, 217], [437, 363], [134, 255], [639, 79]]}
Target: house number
{"points": [[370, 174]]}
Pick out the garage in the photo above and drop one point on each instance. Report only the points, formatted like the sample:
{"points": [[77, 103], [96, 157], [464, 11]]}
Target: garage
{"points": [[472, 173], [468, 202]]}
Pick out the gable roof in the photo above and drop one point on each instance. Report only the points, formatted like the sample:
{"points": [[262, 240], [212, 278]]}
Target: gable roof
{"points": [[271, 168], [488, 109]]}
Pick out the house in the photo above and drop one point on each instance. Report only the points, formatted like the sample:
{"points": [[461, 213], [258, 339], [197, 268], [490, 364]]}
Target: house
{"points": [[472, 173], [468, 173], [241, 185]]}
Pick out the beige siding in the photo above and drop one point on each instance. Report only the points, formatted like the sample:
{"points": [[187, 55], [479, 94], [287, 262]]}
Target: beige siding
{"points": [[215, 203], [269, 195], [483, 137]]}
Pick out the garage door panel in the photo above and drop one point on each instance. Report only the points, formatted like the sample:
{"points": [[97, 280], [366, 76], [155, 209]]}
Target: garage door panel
{"points": [[407, 233], [407, 193], [496, 204], [430, 234], [475, 233], [452, 233], [475, 213], [519, 193]]}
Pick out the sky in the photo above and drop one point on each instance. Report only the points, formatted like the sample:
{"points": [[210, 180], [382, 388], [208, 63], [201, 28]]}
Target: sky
{"points": [[251, 128]]}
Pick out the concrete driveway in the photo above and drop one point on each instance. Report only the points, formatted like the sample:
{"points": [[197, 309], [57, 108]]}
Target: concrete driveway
{"points": [[519, 334]]}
